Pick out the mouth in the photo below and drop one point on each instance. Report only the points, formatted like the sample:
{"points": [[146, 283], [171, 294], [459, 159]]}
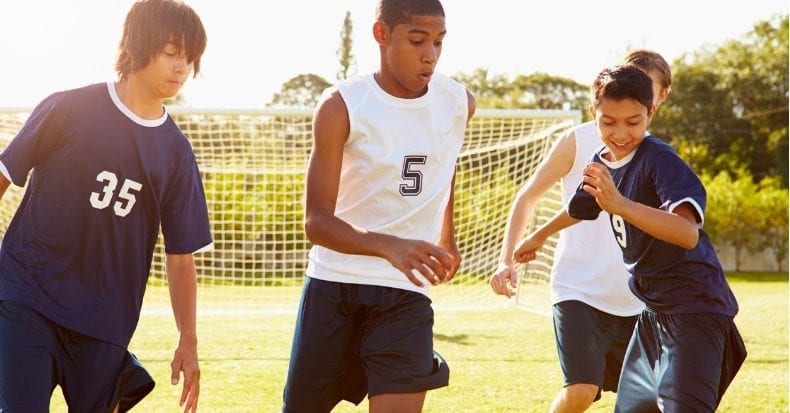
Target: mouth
{"points": [[425, 77]]}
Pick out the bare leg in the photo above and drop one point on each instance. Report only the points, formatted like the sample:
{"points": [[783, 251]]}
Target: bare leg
{"points": [[396, 403], [575, 398]]}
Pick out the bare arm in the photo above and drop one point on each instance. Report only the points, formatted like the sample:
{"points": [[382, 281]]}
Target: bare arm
{"points": [[527, 248], [4, 183], [181, 279], [323, 227], [553, 167], [678, 227]]}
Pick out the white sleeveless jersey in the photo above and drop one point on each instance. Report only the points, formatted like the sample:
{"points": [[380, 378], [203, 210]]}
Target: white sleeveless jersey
{"points": [[588, 263], [398, 165]]}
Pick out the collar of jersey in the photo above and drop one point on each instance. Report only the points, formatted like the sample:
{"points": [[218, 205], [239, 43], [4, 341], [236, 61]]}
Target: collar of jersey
{"points": [[618, 163], [150, 123], [417, 102]]}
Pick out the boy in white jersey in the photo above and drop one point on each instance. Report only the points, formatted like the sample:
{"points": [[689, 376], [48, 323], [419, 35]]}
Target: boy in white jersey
{"points": [[379, 211], [594, 311]]}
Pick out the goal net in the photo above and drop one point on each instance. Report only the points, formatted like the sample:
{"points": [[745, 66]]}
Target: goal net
{"points": [[253, 164]]}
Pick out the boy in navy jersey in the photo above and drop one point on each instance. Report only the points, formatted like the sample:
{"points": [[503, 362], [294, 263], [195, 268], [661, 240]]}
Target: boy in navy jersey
{"points": [[109, 166], [686, 348], [379, 213]]}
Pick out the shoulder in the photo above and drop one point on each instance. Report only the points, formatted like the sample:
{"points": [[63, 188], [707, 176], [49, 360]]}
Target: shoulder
{"points": [[458, 91]]}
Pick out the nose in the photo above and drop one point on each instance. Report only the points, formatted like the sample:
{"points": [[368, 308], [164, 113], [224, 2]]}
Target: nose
{"points": [[182, 66], [431, 54]]}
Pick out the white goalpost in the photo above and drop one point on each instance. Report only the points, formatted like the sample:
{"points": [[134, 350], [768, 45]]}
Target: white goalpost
{"points": [[253, 164]]}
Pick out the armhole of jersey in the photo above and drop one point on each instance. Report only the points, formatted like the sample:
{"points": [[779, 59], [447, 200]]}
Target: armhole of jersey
{"points": [[4, 171], [694, 204]]}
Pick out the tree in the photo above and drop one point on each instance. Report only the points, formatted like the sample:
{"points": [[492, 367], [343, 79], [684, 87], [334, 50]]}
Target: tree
{"points": [[733, 100], [772, 232], [534, 91], [734, 214], [344, 52], [301, 91]]}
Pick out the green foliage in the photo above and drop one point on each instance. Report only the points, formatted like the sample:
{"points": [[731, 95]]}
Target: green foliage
{"points": [[734, 101], [534, 91], [300, 91], [750, 217], [344, 52]]}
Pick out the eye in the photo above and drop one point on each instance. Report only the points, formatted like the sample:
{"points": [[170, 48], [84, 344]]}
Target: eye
{"points": [[416, 42], [437, 44]]}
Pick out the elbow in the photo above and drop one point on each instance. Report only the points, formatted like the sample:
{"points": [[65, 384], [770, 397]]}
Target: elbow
{"points": [[311, 228], [690, 241]]}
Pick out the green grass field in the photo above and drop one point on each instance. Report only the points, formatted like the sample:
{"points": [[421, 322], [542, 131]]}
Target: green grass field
{"points": [[500, 361]]}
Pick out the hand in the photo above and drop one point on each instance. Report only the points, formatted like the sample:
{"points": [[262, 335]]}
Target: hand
{"points": [[409, 256], [505, 280], [451, 247], [185, 361], [526, 249], [598, 183]]}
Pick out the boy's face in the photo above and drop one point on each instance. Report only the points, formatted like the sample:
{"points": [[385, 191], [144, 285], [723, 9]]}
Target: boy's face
{"points": [[409, 53], [621, 125], [166, 72]]}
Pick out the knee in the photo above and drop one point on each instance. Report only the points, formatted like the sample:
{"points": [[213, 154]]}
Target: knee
{"points": [[578, 397]]}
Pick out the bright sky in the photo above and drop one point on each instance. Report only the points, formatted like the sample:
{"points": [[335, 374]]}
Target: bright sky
{"points": [[256, 45]]}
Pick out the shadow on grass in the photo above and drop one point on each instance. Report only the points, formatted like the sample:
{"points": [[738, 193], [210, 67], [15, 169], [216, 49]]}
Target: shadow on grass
{"points": [[461, 339], [757, 276]]}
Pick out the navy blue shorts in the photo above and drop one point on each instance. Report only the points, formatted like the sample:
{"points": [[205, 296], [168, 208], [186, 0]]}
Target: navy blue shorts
{"points": [[37, 354], [682, 362], [351, 340], [591, 344]]}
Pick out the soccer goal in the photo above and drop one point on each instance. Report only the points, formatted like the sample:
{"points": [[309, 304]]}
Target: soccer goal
{"points": [[253, 164]]}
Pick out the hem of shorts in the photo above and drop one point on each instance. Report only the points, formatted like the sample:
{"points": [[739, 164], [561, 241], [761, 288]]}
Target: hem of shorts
{"points": [[407, 389]]}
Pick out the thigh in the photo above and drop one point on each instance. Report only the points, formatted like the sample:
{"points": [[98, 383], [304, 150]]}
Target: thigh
{"points": [[27, 369], [324, 367], [397, 343], [582, 343], [637, 390], [693, 350], [619, 330]]}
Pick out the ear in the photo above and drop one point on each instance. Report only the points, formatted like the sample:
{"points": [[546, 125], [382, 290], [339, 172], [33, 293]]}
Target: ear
{"points": [[381, 32], [650, 112], [591, 108], [662, 97]]}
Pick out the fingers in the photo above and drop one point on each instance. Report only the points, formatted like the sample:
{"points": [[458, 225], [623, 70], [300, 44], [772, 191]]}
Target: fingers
{"points": [[425, 262], [504, 282], [190, 391]]}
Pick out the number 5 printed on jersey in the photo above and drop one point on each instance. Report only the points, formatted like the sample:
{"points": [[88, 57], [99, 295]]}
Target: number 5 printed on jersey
{"points": [[101, 201], [413, 177]]}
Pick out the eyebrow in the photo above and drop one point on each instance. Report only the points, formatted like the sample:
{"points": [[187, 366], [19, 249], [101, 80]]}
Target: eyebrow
{"points": [[425, 32]]}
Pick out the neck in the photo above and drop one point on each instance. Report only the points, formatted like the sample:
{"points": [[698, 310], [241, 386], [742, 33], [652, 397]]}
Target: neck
{"points": [[138, 100]]}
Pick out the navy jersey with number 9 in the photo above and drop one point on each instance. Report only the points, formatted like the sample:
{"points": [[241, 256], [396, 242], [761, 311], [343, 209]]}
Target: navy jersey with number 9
{"points": [[666, 277]]}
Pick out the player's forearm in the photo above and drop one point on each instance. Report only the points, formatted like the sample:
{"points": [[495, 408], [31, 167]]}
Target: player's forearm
{"points": [[181, 279], [4, 184], [520, 213], [560, 221], [666, 226], [333, 233]]}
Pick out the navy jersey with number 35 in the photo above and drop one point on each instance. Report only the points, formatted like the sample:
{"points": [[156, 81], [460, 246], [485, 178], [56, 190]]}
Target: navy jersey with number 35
{"points": [[666, 277], [79, 247]]}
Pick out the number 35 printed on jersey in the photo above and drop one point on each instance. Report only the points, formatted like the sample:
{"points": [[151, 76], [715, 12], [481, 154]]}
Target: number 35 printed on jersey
{"points": [[126, 199]]}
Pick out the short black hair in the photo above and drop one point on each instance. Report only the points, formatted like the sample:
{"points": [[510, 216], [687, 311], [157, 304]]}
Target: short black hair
{"points": [[395, 12], [150, 25], [622, 82]]}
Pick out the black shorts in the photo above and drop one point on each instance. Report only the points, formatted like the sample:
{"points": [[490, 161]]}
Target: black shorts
{"points": [[351, 340], [682, 362], [37, 354], [591, 344]]}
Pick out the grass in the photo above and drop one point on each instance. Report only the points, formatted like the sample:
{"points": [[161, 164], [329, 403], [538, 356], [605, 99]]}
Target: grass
{"points": [[500, 361]]}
